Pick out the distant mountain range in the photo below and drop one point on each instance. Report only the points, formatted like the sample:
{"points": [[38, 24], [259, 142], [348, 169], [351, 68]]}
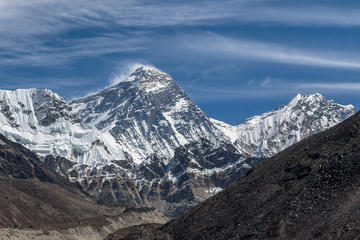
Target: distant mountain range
{"points": [[143, 142]]}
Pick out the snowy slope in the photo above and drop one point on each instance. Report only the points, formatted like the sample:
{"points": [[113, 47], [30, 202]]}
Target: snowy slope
{"points": [[267, 134], [44, 122], [147, 114]]}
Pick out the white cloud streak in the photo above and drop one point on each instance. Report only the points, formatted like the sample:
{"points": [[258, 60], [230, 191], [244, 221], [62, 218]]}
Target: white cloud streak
{"points": [[36, 53], [48, 16], [335, 86], [51, 83], [245, 49], [314, 15], [266, 83], [19, 17], [23, 24]]}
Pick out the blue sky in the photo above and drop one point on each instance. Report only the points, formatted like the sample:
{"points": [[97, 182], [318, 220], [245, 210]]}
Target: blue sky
{"points": [[235, 58]]}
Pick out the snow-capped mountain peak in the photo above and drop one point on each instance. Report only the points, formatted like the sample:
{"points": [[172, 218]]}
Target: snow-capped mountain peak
{"points": [[314, 100], [32, 108], [45, 123], [151, 79], [148, 114], [145, 72], [269, 133]]}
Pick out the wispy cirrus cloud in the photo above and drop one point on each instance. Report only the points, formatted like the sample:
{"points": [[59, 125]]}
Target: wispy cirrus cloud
{"points": [[312, 15], [19, 17], [334, 86], [225, 47], [47, 16], [27, 27], [50, 83], [266, 83], [25, 24], [36, 52]]}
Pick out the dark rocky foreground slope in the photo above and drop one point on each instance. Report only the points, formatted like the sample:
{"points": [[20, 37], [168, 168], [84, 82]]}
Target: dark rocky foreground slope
{"points": [[309, 191], [31, 195], [34, 199]]}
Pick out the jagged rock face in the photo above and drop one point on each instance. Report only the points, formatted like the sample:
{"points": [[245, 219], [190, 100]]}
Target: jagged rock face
{"points": [[265, 135], [143, 142], [146, 114], [45, 123], [29, 108], [59, 164], [197, 171]]}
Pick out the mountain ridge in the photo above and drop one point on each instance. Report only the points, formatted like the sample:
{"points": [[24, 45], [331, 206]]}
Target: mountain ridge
{"points": [[143, 142], [313, 113]]}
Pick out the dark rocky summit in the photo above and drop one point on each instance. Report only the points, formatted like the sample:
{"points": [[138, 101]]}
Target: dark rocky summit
{"points": [[308, 191]]}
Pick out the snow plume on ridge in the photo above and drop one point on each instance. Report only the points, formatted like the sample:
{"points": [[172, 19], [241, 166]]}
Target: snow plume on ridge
{"points": [[121, 74], [124, 71]]}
